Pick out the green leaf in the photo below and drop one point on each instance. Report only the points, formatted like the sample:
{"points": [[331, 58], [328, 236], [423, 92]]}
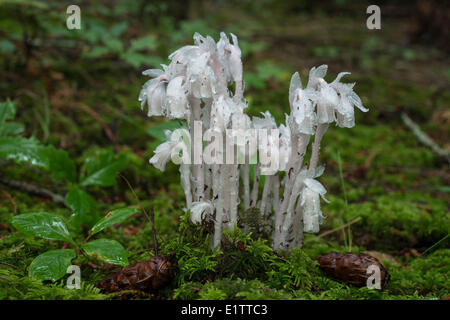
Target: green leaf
{"points": [[115, 45], [102, 168], [157, 131], [7, 46], [51, 265], [119, 28], [42, 224], [21, 149], [60, 164], [113, 217], [107, 250], [7, 111], [83, 207], [96, 52], [30, 150], [134, 58], [11, 128], [144, 43]]}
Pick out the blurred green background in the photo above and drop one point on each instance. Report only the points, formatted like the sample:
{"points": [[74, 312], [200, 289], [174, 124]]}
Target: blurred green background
{"points": [[77, 90]]}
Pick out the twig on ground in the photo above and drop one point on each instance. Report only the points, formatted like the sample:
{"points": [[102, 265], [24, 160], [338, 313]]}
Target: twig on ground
{"points": [[33, 189], [11, 200], [10, 265], [97, 117], [424, 138], [336, 229]]}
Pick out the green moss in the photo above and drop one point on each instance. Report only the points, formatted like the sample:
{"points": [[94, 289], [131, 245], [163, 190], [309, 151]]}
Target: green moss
{"points": [[426, 276]]}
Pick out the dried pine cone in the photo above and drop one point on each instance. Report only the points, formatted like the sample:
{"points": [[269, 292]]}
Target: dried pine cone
{"points": [[148, 276], [351, 268]]}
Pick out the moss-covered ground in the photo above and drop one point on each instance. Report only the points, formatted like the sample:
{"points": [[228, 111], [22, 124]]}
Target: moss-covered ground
{"points": [[391, 191]]}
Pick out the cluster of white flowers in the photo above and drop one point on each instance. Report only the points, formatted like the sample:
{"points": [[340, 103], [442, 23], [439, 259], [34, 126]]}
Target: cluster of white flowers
{"points": [[194, 87]]}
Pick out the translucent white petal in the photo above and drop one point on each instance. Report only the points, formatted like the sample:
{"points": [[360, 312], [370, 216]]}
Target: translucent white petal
{"points": [[162, 155], [340, 75], [153, 73], [315, 74], [315, 186], [200, 210], [268, 122], [176, 98], [296, 83]]}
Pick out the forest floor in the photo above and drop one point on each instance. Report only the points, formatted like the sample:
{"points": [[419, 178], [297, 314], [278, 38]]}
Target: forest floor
{"points": [[392, 190]]}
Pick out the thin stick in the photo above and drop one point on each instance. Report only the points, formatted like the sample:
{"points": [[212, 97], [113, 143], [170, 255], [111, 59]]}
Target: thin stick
{"points": [[424, 138], [135, 195], [152, 220], [99, 119], [11, 200], [10, 265], [336, 229], [32, 189], [434, 245], [155, 241]]}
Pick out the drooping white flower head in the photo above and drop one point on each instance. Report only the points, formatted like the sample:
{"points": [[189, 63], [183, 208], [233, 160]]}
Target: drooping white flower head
{"points": [[310, 201], [221, 111], [176, 143], [315, 74], [302, 119], [201, 211], [327, 102], [180, 59], [154, 93], [268, 122], [201, 77], [269, 153], [285, 144], [230, 57], [177, 103], [206, 44], [345, 112]]}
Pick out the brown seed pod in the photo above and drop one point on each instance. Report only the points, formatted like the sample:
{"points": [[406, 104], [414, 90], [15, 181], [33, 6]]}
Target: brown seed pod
{"points": [[148, 276], [351, 268]]}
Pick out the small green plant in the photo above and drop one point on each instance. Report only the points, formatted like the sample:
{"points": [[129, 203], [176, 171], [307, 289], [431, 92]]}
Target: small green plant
{"points": [[53, 264], [98, 169]]}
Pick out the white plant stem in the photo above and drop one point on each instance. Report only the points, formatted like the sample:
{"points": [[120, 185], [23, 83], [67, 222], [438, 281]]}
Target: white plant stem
{"points": [[186, 183], [234, 194], [298, 227], [287, 229], [219, 210], [197, 169], [208, 181], [276, 193], [225, 194], [265, 195], [296, 162], [254, 195], [320, 131], [246, 181]]}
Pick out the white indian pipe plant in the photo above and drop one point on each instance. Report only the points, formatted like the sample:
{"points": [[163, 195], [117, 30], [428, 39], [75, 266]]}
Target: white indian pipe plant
{"points": [[195, 87]]}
